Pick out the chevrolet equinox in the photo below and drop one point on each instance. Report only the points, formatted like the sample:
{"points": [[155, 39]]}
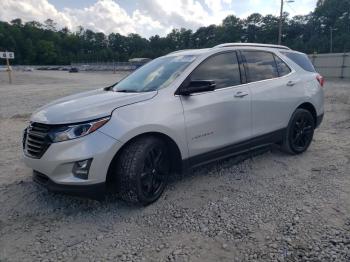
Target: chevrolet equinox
{"points": [[178, 111]]}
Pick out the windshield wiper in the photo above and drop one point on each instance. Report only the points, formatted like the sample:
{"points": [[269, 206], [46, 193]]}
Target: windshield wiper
{"points": [[127, 91]]}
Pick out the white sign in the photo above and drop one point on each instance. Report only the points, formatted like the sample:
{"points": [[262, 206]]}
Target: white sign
{"points": [[9, 55]]}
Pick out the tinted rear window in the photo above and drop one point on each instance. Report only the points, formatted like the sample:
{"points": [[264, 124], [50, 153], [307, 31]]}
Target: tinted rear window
{"points": [[301, 60], [260, 65]]}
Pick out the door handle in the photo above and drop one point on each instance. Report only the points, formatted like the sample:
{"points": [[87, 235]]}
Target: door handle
{"points": [[241, 94], [290, 83]]}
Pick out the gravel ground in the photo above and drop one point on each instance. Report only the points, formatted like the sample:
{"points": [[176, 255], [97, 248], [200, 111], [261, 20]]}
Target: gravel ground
{"points": [[270, 207]]}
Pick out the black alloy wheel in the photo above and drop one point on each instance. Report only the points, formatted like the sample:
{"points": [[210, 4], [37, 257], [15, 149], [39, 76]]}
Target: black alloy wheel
{"points": [[142, 170], [155, 171], [300, 132]]}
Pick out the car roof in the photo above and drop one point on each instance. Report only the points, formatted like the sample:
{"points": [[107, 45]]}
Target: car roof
{"points": [[229, 46]]}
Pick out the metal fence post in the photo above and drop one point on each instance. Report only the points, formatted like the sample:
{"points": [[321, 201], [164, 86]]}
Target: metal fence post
{"points": [[9, 69], [314, 58], [343, 66]]}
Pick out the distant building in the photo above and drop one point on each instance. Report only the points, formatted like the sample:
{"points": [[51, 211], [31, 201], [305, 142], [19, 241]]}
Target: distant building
{"points": [[140, 60]]}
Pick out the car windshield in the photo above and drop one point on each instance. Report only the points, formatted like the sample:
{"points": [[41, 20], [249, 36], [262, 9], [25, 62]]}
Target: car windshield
{"points": [[155, 75]]}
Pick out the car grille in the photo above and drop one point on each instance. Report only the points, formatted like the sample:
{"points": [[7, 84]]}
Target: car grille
{"points": [[36, 140]]}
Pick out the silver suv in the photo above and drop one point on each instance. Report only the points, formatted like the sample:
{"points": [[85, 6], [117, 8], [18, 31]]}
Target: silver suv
{"points": [[179, 111]]}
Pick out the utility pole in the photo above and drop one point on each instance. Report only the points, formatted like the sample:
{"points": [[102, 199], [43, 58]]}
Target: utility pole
{"points": [[9, 70], [281, 20], [8, 55], [331, 43], [280, 24]]}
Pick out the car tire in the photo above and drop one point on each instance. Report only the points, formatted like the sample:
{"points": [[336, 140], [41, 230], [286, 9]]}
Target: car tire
{"points": [[142, 170], [299, 132]]}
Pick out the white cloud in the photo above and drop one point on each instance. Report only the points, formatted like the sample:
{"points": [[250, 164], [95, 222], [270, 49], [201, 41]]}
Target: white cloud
{"points": [[145, 22], [186, 13], [103, 16], [31, 10], [149, 18], [214, 5], [152, 16]]}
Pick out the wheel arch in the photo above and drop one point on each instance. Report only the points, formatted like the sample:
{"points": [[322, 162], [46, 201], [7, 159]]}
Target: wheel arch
{"points": [[311, 108], [175, 154]]}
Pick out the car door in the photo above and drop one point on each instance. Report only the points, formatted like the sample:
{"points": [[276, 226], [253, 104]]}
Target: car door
{"points": [[220, 118], [271, 83]]}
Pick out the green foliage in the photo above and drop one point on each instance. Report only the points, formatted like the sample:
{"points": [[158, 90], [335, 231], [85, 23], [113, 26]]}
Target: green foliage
{"points": [[36, 43]]}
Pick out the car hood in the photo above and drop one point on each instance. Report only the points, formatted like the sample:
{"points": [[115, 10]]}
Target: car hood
{"points": [[86, 106]]}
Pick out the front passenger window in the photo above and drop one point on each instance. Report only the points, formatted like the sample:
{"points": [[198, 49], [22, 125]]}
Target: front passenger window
{"points": [[222, 68]]}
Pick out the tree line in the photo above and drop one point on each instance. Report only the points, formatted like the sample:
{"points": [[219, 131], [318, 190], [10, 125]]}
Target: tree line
{"points": [[42, 43]]}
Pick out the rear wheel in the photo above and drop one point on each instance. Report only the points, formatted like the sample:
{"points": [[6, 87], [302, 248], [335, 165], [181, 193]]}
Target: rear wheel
{"points": [[142, 170], [300, 132]]}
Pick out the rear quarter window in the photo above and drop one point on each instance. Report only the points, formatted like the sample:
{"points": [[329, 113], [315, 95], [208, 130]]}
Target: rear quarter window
{"points": [[301, 60], [282, 67]]}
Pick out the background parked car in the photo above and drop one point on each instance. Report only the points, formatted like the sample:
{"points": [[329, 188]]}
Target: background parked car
{"points": [[74, 70], [4, 68]]}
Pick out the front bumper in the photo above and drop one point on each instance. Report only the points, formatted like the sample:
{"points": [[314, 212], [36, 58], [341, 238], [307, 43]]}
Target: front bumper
{"points": [[54, 169], [94, 191]]}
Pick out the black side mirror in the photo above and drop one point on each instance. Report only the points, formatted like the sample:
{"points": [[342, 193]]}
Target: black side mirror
{"points": [[197, 86]]}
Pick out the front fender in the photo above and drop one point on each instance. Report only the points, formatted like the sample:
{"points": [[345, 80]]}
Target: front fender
{"points": [[165, 117]]}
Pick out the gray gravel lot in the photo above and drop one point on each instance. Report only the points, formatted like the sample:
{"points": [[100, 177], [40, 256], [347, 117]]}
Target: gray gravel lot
{"points": [[270, 207]]}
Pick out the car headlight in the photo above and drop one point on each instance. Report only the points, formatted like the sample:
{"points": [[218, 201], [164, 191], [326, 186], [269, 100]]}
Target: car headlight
{"points": [[68, 132]]}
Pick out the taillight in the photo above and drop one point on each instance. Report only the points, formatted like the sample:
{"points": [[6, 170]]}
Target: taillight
{"points": [[320, 79]]}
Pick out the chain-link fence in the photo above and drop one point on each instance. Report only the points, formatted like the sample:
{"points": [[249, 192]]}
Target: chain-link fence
{"points": [[108, 66], [332, 65], [329, 65]]}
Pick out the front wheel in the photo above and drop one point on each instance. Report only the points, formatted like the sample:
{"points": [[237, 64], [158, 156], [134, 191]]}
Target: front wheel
{"points": [[142, 170], [299, 133]]}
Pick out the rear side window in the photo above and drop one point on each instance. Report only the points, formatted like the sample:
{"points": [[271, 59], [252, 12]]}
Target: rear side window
{"points": [[301, 60], [222, 68], [282, 67], [260, 65]]}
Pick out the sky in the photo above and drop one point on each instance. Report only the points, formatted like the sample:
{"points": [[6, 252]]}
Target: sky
{"points": [[144, 17]]}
